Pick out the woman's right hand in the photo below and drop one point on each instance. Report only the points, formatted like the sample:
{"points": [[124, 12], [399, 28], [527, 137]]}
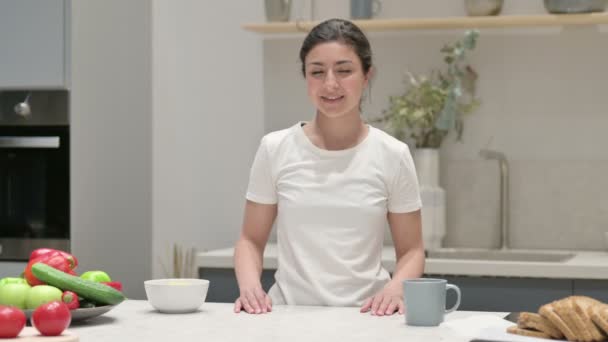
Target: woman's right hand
{"points": [[253, 300]]}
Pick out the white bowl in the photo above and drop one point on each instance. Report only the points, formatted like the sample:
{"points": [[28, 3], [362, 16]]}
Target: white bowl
{"points": [[176, 295]]}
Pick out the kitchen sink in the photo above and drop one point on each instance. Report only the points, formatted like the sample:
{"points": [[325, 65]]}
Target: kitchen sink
{"points": [[500, 255]]}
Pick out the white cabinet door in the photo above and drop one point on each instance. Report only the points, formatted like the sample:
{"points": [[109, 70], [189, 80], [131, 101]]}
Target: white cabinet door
{"points": [[32, 44]]}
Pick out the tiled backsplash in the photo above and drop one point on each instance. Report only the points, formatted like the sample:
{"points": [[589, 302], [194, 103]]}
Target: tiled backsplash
{"points": [[553, 204]]}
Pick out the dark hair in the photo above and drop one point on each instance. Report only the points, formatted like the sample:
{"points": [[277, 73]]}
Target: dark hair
{"points": [[339, 30]]}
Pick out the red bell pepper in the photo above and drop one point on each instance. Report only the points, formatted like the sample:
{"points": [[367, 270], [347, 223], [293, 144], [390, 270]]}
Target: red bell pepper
{"points": [[55, 260], [70, 299], [44, 251], [115, 284]]}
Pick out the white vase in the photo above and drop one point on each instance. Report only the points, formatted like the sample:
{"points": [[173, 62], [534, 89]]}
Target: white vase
{"points": [[433, 197], [427, 166]]}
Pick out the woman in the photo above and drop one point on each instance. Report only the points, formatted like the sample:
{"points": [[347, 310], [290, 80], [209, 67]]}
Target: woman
{"points": [[332, 184]]}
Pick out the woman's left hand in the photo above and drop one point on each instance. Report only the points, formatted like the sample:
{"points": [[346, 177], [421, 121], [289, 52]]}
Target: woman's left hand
{"points": [[385, 302]]}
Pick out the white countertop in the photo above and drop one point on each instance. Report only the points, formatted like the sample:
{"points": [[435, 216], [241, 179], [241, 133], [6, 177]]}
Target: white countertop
{"points": [[584, 265], [136, 320]]}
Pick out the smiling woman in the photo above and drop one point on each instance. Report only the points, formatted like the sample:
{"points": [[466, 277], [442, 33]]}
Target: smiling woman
{"points": [[331, 184]]}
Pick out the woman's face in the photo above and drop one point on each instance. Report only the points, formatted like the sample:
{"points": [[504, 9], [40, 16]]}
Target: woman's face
{"points": [[335, 79]]}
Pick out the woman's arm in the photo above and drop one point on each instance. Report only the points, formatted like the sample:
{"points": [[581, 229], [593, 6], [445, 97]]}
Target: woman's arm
{"points": [[248, 256], [406, 230]]}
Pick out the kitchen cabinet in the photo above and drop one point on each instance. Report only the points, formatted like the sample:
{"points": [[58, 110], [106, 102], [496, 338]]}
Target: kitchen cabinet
{"points": [[223, 287], [506, 294], [478, 293], [34, 44], [597, 289]]}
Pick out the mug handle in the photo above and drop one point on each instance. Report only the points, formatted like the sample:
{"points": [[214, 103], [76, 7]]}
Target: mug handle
{"points": [[378, 7], [455, 288]]}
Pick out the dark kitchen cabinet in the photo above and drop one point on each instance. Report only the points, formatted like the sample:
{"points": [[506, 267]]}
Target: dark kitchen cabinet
{"points": [[506, 294], [597, 289], [33, 36], [223, 287], [478, 293]]}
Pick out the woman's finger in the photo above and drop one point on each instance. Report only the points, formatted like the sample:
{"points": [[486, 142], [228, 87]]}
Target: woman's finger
{"points": [[386, 300], [401, 307], [392, 306], [237, 305], [246, 305], [259, 296], [376, 301], [268, 302], [366, 305], [253, 302]]}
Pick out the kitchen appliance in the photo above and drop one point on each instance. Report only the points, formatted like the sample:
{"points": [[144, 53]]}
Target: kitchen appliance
{"points": [[34, 173]]}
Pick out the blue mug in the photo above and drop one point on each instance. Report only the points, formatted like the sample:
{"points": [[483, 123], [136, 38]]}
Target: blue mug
{"points": [[364, 9], [424, 300]]}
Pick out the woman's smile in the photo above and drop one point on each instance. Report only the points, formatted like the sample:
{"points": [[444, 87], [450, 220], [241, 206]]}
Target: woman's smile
{"points": [[332, 99]]}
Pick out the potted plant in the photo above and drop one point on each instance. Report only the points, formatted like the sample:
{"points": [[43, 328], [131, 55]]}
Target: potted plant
{"points": [[430, 108]]}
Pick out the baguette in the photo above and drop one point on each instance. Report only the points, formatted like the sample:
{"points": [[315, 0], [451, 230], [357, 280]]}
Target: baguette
{"points": [[565, 309], [526, 332], [599, 315], [548, 311], [582, 305], [529, 320]]}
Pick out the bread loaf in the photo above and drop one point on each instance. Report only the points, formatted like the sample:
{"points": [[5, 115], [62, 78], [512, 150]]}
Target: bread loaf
{"points": [[529, 320], [577, 318]]}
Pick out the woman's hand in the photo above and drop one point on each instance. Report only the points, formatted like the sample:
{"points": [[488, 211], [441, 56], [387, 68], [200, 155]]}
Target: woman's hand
{"points": [[385, 302], [253, 300]]}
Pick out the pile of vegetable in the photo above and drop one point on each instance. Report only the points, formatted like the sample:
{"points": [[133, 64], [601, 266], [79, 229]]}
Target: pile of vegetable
{"points": [[51, 287]]}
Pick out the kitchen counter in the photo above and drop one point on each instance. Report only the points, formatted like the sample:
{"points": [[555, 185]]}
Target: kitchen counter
{"points": [[136, 320], [584, 265]]}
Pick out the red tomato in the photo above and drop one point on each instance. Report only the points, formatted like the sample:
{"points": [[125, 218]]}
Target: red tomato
{"points": [[12, 321], [51, 319]]}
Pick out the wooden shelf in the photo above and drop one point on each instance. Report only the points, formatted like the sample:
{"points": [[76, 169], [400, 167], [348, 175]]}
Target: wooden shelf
{"points": [[500, 21]]}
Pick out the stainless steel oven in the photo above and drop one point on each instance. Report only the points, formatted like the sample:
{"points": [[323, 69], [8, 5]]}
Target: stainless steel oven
{"points": [[34, 173]]}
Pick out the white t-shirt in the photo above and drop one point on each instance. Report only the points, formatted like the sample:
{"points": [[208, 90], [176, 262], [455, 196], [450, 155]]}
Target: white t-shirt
{"points": [[332, 208]]}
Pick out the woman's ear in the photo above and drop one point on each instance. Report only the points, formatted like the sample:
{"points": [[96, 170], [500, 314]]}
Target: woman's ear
{"points": [[371, 73]]}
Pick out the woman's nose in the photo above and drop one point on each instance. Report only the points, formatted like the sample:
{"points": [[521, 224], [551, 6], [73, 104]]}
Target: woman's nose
{"points": [[330, 81]]}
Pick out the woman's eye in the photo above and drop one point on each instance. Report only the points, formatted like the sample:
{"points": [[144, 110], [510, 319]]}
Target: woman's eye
{"points": [[316, 73], [345, 72]]}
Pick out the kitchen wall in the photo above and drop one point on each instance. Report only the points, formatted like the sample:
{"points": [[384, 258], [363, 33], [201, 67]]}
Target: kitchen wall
{"points": [[111, 139], [543, 105], [208, 119], [166, 104]]}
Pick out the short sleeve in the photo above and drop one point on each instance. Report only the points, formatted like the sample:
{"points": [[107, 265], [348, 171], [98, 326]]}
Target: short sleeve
{"points": [[404, 193], [261, 188]]}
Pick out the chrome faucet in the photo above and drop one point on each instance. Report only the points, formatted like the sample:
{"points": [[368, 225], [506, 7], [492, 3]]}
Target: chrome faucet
{"points": [[504, 194]]}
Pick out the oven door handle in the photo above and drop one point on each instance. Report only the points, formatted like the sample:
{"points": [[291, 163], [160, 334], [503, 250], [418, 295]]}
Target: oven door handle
{"points": [[29, 142]]}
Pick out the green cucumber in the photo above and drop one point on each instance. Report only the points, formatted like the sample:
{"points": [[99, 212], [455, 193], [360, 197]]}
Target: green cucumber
{"points": [[88, 289]]}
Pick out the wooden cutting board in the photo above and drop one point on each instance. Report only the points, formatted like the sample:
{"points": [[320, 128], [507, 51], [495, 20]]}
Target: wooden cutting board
{"points": [[30, 334]]}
